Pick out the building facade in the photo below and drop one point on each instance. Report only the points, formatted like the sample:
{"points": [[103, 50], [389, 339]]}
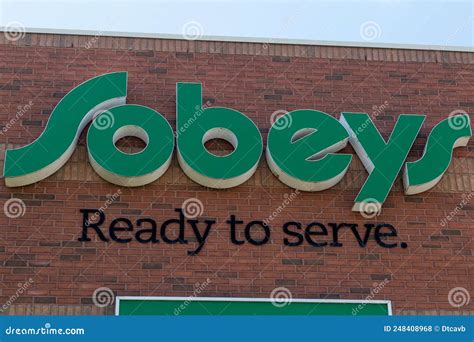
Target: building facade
{"points": [[46, 269]]}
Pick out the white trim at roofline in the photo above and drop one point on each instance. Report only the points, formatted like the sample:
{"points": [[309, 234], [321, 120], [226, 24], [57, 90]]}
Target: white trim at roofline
{"points": [[254, 300], [249, 39]]}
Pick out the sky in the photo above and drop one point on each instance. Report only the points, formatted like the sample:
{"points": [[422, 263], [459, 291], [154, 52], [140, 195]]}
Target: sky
{"points": [[436, 22]]}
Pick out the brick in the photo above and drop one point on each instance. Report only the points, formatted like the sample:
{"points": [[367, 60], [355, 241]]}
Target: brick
{"points": [[39, 264], [161, 71], [285, 282], [70, 257], [272, 97], [292, 262], [15, 263], [381, 276], [45, 300], [44, 196], [281, 59], [451, 232], [334, 78], [184, 55], [359, 290]]}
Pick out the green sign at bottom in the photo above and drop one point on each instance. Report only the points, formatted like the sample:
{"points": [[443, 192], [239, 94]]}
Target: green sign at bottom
{"points": [[199, 306]]}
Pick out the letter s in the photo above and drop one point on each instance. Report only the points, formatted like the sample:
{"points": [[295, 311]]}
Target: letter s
{"points": [[426, 172], [52, 149]]}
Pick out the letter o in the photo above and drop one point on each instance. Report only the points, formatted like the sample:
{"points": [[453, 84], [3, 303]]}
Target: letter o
{"points": [[130, 169]]}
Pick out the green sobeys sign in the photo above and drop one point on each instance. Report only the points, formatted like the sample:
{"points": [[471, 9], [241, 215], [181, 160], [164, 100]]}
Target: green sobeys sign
{"points": [[301, 147]]}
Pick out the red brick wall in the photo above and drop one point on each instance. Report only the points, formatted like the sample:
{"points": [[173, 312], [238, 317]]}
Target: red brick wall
{"points": [[256, 80]]}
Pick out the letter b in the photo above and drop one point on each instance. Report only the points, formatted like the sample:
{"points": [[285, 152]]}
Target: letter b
{"points": [[196, 125]]}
